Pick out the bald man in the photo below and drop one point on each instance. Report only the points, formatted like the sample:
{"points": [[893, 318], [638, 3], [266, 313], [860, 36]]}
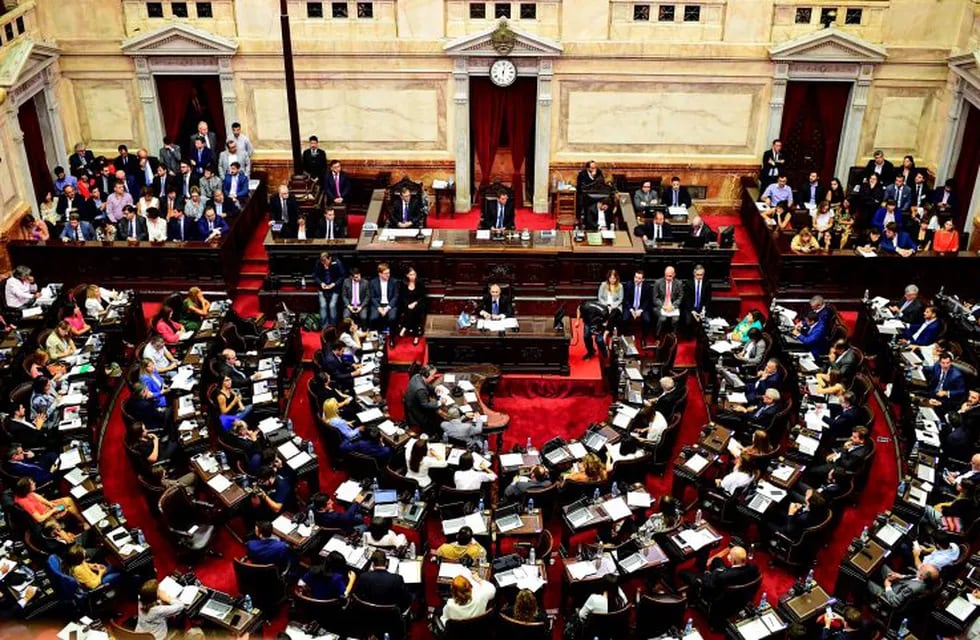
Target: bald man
{"points": [[668, 293], [898, 589], [726, 568], [954, 479]]}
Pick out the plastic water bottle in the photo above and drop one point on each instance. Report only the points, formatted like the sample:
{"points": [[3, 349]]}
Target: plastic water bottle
{"points": [[689, 627], [486, 447], [531, 556], [530, 505], [309, 447], [416, 497], [445, 438], [867, 296], [903, 629], [596, 495], [302, 282], [309, 517], [387, 636], [698, 517], [528, 446], [901, 488], [828, 613], [865, 534], [411, 550], [374, 484], [763, 602], [247, 603], [480, 505], [140, 538], [614, 489], [810, 582]]}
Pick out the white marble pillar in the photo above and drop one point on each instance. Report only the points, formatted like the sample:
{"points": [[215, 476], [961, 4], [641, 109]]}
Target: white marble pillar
{"points": [[22, 172], [151, 105], [542, 138], [52, 78], [853, 122], [776, 103], [953, 136], [229, 101], [461, 134], [973, 212]]}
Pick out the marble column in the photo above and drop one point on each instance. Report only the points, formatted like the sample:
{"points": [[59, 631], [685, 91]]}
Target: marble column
{"points": [[853, 122], [953, 136], [52, 78], [229, 101], [542, 138], [776, 103], [21, 173], [461, 134], [148, 98]]}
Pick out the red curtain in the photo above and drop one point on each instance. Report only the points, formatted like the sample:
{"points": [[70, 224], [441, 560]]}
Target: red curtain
{"points": [[174, 92], [966, 166], [813, 117], [30, 125], [210, 89], [830, 101], [486, 121], [520, 98]]}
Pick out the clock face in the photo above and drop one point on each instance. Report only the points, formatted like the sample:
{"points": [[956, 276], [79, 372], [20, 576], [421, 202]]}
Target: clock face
{"points": [[503, 73]]}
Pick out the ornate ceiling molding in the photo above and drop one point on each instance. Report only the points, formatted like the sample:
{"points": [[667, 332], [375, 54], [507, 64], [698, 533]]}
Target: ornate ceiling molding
{"points": [[179, 40], [487, 43], [828, 45]]}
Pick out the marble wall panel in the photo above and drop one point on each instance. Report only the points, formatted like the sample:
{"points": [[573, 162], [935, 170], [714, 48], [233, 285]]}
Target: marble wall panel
{"points": [[899, 120], [109, 113]]}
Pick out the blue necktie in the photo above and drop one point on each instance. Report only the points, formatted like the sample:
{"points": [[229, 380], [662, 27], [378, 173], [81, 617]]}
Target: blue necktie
{"points": [[636, 298], [404, 211], [697, 294], [496, 307], [500, 216]]}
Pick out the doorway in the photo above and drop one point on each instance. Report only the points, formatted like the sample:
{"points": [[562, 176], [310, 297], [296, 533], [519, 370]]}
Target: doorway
{"points": [[34, 144], [813, 120], [967, 166], [502, 134], [187, 100]]}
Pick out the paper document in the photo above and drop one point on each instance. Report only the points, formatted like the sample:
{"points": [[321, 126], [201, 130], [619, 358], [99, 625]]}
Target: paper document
{"points": [[807, 445], [783, 472], [297, 461], [888, 534], [219, 483], [76, 476], [348, 491], [638, 499], [288, 449], [449, 570], [370, 415], [269, 425], [696, 463], [696, 539], [283, 525], [754, 629], [616, 509], [69, 459], [510, 460], [580, 570], [94, 514], [577, 449], [262, 398], [960, 608], [410, 571]]}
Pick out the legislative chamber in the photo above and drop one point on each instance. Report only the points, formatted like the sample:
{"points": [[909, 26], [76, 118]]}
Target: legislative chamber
{"points": [[561, 319]]}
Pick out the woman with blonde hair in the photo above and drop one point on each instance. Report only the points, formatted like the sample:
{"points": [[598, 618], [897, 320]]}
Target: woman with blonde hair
{"points": [[331, 418], [760, 445], [591, 469], [804, 241], [611, 295], [526, 607], [93, 302], [470, 598], [195, 309]]}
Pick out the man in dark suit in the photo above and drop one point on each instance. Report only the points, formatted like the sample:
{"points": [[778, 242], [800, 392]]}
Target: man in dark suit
{"points": [[899, 589], [810, 193], [638, 304], [719, 575], [78, 230], [379, 586], [170, 156], [337, 184], [326, 515], [666, 403], [944, 199], [909, 308], [925, 332], [143, 407], [495, 305], [25, 464], [884, 168], [163, 182], [799, 516], [105, 180], [901, 194], [843, 361], [235, 185], [132, 226], [180, 228], [768, 377], [668, 295], [70, 200], [223, 207], [355, 297], [341, 372], [265, 548], [850, 457], [314, 160], [675, 195], [588, 178], [962, 428], [27, 433], [230, 366], [498, 215], [209, 138], [947, 385], [843, 418], [328, 278], [146, 168], [128, 182], [697, 296], [185, 180], [82, 159], [210, 226], [745, 418], [701, 233], [655, 230], [383, 294], [599, 216], [201, 156], [421, 403], [331, 227], [773, 162], [406, 211], [284, 209], [126, 162]]}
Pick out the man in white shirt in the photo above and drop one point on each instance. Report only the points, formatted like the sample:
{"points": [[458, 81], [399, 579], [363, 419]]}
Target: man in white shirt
{"points": [[21, 290], [974, 470], [164, 361]]}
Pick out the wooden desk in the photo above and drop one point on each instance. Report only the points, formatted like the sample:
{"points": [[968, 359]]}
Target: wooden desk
{"points": [[231, 497], [804, 607], [535, 349], [716, 439], [146, 266], [653, 558], [238, 622], [679, 551]]}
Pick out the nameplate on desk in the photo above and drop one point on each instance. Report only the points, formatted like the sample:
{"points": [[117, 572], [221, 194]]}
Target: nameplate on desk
{"points": [[483, 234]]}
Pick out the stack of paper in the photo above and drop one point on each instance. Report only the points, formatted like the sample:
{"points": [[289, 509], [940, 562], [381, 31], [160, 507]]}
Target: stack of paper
{"points": [[582, 569], [348, 491], [696, 463], [219, 483]]}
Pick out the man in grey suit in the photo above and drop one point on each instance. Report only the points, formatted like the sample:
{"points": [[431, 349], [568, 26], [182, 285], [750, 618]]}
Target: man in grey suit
{"points": [[355, 297], [668, 293], [899, 589], [210, 138], [421, 404], [843, 363], [233, 154], [170, 156]]}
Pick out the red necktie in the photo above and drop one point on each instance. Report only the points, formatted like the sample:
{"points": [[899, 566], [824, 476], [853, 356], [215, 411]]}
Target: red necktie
{"points": [[668, 291], [336, 181]]}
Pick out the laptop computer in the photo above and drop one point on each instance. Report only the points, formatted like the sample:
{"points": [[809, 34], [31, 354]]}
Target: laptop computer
{"points": [[385, 496], [629, 557], [580, 512], [215, 607], [594, 440], [507, 518]]}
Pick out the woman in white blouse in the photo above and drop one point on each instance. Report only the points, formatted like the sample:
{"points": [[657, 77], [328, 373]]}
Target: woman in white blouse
{"points": [[471, 477], [419, 460], [611, 598], [379, 534], [147, 202], [156, 227], [611, 295], [740, 476], [470, 597]]}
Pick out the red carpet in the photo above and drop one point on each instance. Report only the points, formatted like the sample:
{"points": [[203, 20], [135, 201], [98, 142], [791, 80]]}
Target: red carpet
{"points": [[540, 407]]}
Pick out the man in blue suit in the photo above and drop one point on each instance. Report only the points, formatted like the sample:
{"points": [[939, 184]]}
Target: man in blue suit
{"points": [[947, 385], [900, 193], [843, 418], [638, 304], [812, 331], [201, 156], [236, 183], [210, 226], [337, 184], [925, 332], [383, 308], [768, 377], [180, 228], [895, 241], [887, 213], [944, 199], [267, 549], [77, 230]]}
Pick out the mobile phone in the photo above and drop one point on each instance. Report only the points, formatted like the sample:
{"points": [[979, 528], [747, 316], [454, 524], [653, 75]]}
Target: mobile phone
{"points": [[235, 619]]}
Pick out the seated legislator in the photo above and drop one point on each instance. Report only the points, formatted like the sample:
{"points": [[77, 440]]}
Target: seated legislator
{"points": [[331, 227], [946, 239], [328, 578], [925, 332], [337, 183], [777, 192], [21, 290], [885, 214], [406, 211], [383, 310], [909, 308], [380, 586], [668, 296], [675, 195], [701, 233], [644, 199], [848, 458], [947, 385], [470, 598], [211, 227], [133, 226], [266, 548], [719, 575], [180, 228], [893, 240], [78, 230], [355, 296], [495, 305], [899, 589], [463, 546], [498, 215], [655, 230], [314, 160], [224, 207], [326, 514], [638, 303], [799, 516], [236, 183], [804, 242], [944, 199], [284, 210], [769, 377], [599, 217]]}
